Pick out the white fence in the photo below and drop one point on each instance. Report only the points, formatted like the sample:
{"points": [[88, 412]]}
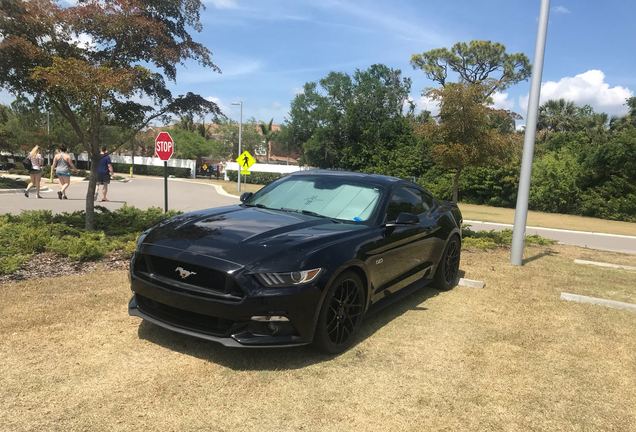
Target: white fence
{"points": [[271, 168], [152, 161]]}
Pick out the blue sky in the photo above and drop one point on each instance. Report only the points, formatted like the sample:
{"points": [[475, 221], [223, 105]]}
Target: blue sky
{"points": [[267, 49]]}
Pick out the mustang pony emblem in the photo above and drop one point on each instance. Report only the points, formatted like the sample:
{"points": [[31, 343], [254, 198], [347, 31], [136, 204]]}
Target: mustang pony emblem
{"points": [[183, 273]]}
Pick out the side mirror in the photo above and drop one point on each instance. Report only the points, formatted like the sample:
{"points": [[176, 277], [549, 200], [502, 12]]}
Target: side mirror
{"points": [[246, 196], [404, 218]]}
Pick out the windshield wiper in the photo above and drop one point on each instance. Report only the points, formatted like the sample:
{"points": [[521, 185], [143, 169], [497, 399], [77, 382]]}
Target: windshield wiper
{"points": [[310, 213], [257, 205]]}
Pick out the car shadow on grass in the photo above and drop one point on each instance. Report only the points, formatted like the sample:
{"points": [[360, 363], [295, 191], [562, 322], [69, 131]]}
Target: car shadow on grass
{"points": [[273, 359]]}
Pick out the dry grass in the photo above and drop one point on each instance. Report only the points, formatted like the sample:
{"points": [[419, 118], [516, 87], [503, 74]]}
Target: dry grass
{"points": [[509, 357], [547, 220]]}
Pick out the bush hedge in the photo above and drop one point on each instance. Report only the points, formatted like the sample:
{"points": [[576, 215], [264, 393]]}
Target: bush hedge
{"points": [[255, 177], [41, 231], [485, 240], [152, 170]]}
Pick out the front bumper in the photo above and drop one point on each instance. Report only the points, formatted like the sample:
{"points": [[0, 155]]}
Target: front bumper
{"points": [[229, 322]]}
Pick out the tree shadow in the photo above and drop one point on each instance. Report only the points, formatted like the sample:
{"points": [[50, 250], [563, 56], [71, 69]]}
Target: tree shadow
{"points": [[273, 359], [546, 252]]}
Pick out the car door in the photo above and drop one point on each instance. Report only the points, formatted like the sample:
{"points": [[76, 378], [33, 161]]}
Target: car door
{"points": [[399, 258]]}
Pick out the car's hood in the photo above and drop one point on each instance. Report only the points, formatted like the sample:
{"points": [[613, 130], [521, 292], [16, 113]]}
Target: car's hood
{"points": [[247, 235]]}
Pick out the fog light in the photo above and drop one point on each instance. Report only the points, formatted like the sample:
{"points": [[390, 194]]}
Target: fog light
{"points": [[270, 318]]}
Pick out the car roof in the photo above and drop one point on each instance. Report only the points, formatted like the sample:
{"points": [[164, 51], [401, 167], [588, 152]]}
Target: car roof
{"points": [[371, 178]]}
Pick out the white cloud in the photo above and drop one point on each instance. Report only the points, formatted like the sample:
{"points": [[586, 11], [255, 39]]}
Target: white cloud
{"points": [[428, 104], [229, 69], [587, 88], [224, 107], [501, 101], [398, 25], [83, 40], [560, 9], [223, 4]]}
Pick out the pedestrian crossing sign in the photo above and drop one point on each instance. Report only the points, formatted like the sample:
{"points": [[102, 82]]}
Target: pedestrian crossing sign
{"points": [[245, 161]]}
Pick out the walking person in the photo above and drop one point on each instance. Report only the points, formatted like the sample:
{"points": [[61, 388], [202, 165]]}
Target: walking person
{"points": [[35, 171], [104, 172], [63, 165]]}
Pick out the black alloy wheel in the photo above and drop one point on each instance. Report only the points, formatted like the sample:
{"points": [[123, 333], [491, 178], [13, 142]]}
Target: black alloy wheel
{"points": [[341, 314], [446, 276]]}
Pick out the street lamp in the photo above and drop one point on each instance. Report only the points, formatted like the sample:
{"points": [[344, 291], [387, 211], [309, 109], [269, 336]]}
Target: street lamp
{"points": [[521, 211], [238, 171]]}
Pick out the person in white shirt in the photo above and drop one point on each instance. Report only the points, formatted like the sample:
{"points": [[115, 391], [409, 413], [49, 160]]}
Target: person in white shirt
{"points": [[36, 171]]}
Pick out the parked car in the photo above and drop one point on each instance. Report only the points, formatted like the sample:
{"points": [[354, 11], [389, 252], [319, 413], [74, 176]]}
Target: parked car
{"points": [[6, 162], [300, 261]]}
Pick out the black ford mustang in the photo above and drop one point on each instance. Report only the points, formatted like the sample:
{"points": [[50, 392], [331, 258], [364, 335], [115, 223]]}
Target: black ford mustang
{"points": [[299, 261]]}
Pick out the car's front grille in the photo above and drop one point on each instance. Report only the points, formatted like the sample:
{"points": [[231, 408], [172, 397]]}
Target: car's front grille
{"points": [[194, 279], [185, 319]]}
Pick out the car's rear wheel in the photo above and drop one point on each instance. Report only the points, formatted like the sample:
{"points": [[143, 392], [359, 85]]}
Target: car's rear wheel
{"points": [[341, 314], [447, 274]]}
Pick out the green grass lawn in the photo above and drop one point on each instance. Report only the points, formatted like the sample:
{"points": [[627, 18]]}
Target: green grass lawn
{"points": [[547, 220], [9, 183]]}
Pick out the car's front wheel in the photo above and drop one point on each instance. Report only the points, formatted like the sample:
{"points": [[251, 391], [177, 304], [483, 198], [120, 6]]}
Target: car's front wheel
{"points": [[341, 314], [447, 273]]}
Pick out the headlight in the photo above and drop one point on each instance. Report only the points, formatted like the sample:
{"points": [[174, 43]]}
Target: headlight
{"points": [[288, 278]]}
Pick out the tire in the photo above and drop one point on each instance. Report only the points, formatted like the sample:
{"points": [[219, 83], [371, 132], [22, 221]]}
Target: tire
{"points": [[447, 273], [341, 314]]}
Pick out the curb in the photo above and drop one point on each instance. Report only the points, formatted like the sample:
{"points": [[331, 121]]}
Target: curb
{"points": [[603, 264], [598, 301], [21, 191], [218, 188]]}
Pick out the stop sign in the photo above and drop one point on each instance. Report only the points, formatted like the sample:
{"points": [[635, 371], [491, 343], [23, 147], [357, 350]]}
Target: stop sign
{"points": [[164, 146]]}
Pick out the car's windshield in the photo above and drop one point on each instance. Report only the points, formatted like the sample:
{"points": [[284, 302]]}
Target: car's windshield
{"points": [[331, 197]]}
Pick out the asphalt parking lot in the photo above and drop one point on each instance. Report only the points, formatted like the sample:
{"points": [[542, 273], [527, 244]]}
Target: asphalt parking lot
{"points": [[141, 192]]}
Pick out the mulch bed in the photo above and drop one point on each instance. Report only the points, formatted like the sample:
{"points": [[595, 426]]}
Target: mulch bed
{"points": [[50, 265]]}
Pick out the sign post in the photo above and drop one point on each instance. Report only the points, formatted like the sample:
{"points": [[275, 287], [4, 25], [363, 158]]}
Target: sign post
{"points": [[164, 149], [245, 162]]}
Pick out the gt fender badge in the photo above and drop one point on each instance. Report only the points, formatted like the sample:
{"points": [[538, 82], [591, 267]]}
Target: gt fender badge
{"points": [[183, 273], [379, 261]]}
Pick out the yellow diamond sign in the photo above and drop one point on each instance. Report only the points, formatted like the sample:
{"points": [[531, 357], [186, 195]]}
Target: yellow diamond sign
{"points": [[245, 161]]}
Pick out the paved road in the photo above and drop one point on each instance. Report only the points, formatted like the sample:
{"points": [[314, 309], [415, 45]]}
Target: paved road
{"points": [[601, 241], [141, 192], [144, 192]]}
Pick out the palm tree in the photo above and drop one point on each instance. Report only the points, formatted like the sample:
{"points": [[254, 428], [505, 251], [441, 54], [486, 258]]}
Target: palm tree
{"points": [[268, 133], [557, 116]]}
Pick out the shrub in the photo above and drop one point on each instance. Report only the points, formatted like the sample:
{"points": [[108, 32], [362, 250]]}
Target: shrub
{"points": [[152, 170], [493, 239], [37, 231], [8, 183], [554, 183], [255, 177]]}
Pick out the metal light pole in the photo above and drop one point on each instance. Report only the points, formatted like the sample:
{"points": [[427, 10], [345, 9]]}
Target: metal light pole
{"points": [[521, 212], [240, 103]]}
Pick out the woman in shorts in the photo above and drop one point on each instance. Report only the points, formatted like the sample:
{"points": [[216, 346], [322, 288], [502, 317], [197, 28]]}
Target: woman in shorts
{"points": [[63, 166], [35, 172]]}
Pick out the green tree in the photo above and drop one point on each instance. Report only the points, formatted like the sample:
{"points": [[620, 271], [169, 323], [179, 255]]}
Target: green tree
{"points": [[268, 133], [227, 133], [356, 122], [465, 136], [91, 84], [477, 62]]}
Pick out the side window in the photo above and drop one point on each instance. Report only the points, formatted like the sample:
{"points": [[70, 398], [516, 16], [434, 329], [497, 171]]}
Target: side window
{"points": [[405, 199], [428, 201]]}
